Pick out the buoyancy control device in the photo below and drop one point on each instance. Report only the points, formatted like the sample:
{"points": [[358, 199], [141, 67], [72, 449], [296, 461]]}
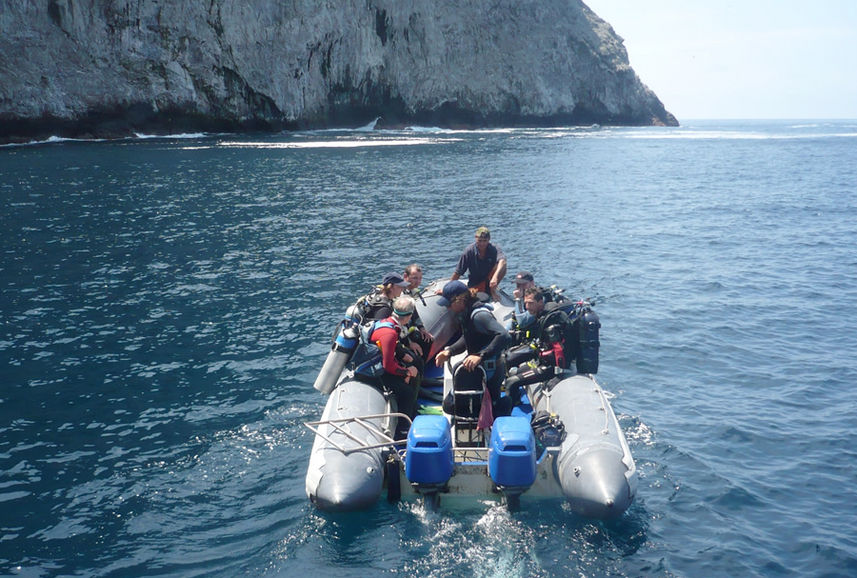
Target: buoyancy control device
{"points": [[368, 360]]}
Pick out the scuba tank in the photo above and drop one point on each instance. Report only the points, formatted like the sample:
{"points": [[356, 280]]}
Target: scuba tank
{"points": [[340, 352], [587, 355]]}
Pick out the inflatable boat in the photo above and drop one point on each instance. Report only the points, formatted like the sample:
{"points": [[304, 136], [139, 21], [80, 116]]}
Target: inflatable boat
{"points": [[562, 440]]}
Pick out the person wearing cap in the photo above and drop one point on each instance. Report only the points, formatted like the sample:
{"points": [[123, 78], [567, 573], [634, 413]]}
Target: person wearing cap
{"points": [[523, 281], [482, 337], [521, 317], [379, 303], [402, 367], [484, 263]]}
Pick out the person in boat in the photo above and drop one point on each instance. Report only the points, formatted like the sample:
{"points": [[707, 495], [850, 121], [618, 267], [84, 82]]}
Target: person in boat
{"points": [[414, 276], [523, 281], [482, 337], [548, 328], [379, 303], [520, 317], [545, 340], [484, 262], [402, 366]]}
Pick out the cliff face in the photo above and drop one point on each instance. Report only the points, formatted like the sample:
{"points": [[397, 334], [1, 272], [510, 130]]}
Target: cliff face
{"points": [[110, 67]]}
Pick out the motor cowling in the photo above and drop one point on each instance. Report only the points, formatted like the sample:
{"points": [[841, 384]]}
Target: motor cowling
{"points": [[512, 454], [429, 461]]}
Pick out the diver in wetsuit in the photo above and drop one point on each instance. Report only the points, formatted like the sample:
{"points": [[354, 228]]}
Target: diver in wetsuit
{"points": [[482, 337]]}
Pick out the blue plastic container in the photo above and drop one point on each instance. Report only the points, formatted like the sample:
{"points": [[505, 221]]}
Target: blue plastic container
{"points": [[512, 454], [429, 456]]}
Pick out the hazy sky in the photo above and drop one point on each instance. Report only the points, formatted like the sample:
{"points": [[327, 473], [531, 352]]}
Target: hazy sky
{"points": [[742, 58]]}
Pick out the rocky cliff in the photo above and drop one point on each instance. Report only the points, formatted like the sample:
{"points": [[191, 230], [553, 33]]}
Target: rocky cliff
{"points": [[112, 67]]}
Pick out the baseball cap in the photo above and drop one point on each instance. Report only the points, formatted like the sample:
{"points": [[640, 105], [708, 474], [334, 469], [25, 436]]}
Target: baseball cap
{"points": [[452, 290], [394, 279], [524, 277]]}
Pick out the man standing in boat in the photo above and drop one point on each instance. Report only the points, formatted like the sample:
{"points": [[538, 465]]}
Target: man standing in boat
{"points": [[484, 262], [482, 337]]}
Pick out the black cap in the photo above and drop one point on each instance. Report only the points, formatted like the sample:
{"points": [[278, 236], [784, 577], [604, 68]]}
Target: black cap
{"points": [[395, 279], [450, 291], [524, 277]]}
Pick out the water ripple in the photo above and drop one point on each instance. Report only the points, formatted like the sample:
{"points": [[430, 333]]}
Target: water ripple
{"points": [[166, 305]]}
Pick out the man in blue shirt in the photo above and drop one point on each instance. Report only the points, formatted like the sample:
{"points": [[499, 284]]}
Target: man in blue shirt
{"points": [[485, 263]]}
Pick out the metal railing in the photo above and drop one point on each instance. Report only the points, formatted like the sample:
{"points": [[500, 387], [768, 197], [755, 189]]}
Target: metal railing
{"points": [[340, 426]]}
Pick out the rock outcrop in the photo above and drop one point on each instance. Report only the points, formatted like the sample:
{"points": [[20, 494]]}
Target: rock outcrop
{"points": [[96, 68]]}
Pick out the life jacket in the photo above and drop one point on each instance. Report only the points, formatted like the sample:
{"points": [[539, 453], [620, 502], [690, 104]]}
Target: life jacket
{"points": [[375, 304], [367, 358], [554, 336], [367, 307]]}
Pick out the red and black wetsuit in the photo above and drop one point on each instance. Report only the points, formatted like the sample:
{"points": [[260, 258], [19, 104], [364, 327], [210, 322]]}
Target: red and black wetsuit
{"points": [[388, 340]]}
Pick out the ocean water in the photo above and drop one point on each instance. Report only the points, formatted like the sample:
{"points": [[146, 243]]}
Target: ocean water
{"points": [[166, 303]]}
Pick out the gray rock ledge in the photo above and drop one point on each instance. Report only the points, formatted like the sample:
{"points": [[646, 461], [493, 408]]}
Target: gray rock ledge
{"points": [[88, 68]]}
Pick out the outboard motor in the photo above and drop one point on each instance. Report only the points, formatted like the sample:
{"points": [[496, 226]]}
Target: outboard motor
{"points": [[512, 456], [588, 326], [340, 352], [428, 461]]}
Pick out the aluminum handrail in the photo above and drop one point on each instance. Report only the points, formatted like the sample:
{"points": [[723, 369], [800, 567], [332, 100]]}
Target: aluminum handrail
{"points": [[339, 424]]}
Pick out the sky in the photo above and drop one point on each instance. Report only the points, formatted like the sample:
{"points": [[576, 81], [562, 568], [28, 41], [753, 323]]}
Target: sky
{"points": [[742, 59]]}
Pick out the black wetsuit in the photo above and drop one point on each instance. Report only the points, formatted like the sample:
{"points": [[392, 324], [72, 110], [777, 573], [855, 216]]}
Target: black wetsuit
{"points": [[483, 335]]}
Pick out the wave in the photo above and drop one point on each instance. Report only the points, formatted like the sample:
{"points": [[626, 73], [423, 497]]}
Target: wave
{"points": [[368, 127], [350, 143], [372, 127], [50, 140], [369, 135], [187, 135], [135, 137], [503, 130], [372, 136]]}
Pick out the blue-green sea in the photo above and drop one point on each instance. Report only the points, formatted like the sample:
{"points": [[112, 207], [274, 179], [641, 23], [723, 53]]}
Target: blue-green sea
{"points": [[166, 304]]}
